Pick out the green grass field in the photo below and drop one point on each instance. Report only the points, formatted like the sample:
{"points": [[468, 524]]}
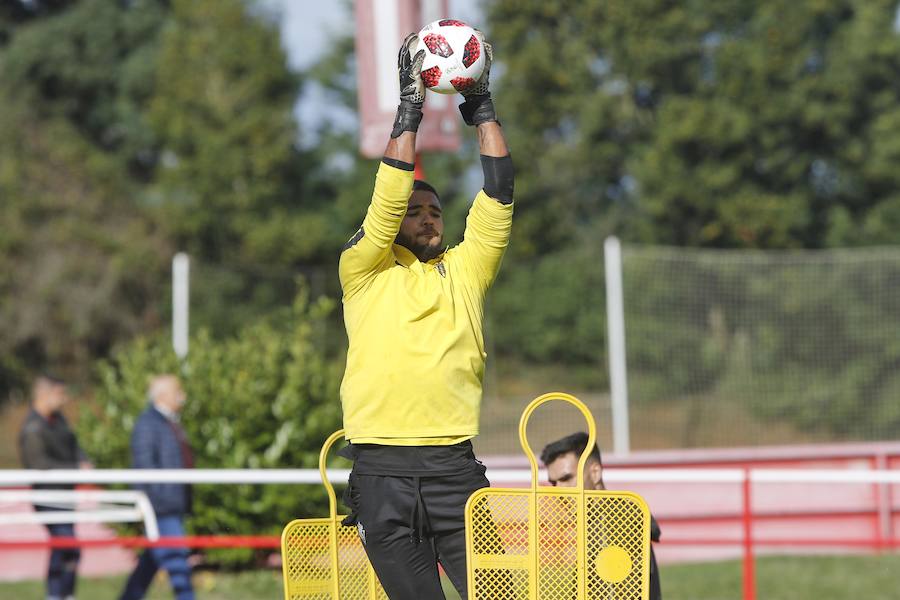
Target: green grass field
{"points": [[788, 578], [778, 578]]}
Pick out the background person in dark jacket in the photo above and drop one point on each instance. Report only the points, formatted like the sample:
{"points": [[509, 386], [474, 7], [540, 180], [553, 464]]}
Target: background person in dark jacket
{"points": [[561, 459], [47, 442], [158, 442]]}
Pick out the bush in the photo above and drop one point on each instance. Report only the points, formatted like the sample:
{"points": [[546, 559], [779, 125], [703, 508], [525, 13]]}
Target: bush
{"points": [[266, 398]]}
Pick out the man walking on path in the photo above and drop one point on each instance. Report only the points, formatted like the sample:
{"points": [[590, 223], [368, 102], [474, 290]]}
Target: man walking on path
{"points": [[47, 442], [158, 442]]}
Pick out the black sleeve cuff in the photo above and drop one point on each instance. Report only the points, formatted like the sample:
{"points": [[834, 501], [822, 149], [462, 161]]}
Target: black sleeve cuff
{"points": [[398, 164], [499, 177]]}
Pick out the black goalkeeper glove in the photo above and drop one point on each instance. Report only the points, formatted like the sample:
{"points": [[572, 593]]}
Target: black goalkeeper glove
{"points": [[412, 90], [478, 107]]}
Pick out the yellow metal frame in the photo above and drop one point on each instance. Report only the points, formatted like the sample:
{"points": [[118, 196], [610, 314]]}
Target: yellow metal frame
{"points": [[545, 544], [322, 558]]}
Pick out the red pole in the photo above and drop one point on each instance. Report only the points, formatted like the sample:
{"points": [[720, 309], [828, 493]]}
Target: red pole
{"points": [[884, 518], [889, 506], [749, 574]]}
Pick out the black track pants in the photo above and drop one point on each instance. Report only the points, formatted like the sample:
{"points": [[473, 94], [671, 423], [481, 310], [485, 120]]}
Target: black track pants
{"points": [[409, 524]]}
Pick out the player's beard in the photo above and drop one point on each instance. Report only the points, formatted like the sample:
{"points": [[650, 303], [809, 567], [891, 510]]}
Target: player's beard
{"points": [[423, 251]]}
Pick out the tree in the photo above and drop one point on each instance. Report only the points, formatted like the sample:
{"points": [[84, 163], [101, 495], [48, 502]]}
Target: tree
{"points": [[131, 130], [728, 124], [223, 112], [92, 65], [16, 12], [82, 262], [233, 186]]}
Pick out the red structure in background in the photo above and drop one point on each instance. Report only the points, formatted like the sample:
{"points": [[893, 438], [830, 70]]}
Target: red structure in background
{"points": [[379, 33]]}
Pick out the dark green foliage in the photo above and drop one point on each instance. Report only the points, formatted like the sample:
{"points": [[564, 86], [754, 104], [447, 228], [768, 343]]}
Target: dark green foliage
{"points": [[80, 259], [232, 186], [224, 116], [729, 124], [807, 340], [266, 398], [131, 130], [16, 12], [551, 310], [78, 262], [92, 66]]}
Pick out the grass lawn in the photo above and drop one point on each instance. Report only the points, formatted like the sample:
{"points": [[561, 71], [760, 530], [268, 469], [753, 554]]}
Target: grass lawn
{"points": [[777, 578], [788, 578], [209, 585]]}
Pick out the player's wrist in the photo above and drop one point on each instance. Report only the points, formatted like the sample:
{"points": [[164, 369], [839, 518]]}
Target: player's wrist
{"points": [[409, 115], [478, 109]]}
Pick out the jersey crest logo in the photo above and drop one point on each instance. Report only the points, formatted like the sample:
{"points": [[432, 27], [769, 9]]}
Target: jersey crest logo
{"points": [[441, 269]]}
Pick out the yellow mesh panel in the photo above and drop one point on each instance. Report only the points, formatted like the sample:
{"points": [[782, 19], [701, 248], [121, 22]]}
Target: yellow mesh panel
{"points": [[306, 556], [306, 553], [503, 564], [557, 543], [354, 573], [557, 546], [324, 560], [499, 557], [616, 523]]}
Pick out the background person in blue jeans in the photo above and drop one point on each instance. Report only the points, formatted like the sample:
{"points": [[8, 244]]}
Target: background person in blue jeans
{"points": [[158, 442], [47, 442]]}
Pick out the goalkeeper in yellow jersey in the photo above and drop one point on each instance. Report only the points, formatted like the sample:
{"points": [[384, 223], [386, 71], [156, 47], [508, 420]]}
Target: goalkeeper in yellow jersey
{"points": [[413, 310]]}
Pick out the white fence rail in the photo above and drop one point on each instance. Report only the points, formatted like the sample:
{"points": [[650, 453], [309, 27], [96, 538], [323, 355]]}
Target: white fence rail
{"points": [[13, 477], [104, 507]]}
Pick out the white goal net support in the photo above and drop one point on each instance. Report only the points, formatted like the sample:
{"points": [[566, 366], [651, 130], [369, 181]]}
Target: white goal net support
{"points": [[745, 348]]}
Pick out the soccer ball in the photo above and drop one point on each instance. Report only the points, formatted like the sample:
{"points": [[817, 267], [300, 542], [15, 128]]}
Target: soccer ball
{"points": [[454, 56]]}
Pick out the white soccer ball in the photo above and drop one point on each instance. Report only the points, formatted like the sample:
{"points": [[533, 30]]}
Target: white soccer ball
{"points": [[454, 56]]}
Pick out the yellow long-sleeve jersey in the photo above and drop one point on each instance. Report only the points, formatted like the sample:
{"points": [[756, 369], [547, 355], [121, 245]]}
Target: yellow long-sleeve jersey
{"points": [[416, 357]]}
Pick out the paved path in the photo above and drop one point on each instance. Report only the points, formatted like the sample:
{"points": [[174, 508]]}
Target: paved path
{"points": [[32, 564]]}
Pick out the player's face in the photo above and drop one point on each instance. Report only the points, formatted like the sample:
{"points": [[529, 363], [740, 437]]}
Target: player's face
{"points": [[422, 229], [561, 472]]}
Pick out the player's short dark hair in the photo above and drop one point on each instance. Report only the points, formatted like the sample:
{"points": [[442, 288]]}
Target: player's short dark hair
{"points": [[575, 443], [421, 184]]}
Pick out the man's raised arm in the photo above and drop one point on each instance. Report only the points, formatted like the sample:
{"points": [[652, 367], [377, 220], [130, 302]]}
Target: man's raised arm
{"points": [[368, 249], [490, 218]]}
